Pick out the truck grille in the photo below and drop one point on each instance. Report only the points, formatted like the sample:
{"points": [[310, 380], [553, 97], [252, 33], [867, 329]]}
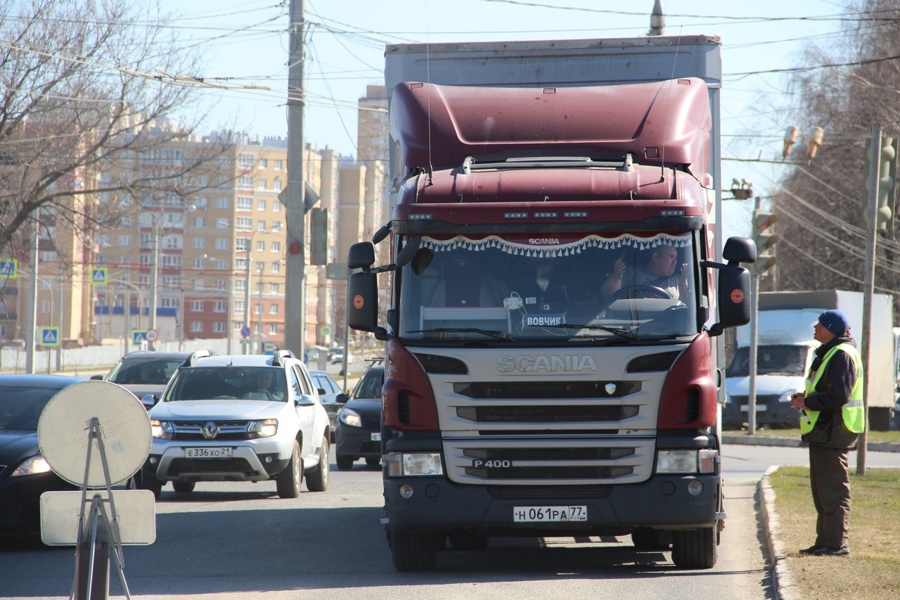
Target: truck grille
{"points": [[553, 461]]}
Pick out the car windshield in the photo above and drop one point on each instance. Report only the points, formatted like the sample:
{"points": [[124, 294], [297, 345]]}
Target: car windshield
{"points": [[560, 288], [369, 387], [146, 371], [770, 360], [245, 383], [21, 406]]}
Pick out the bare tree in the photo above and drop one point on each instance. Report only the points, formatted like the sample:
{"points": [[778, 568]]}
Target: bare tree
{"points": [[849, 88], [90, 92]]}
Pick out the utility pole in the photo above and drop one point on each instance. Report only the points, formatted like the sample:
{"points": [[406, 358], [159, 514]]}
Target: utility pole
{"points": [[295, 280], [873, 176]]}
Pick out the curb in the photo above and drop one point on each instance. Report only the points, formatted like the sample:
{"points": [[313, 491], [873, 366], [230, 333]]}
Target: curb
{"points": [[782, 582], [749, 440]]}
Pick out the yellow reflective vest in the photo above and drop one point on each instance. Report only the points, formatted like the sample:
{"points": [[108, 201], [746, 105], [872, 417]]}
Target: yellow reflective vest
{"points": [[852, 412]]}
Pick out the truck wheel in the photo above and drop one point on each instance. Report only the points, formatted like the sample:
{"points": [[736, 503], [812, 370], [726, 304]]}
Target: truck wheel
{"points": [[149, 482], [345, 462], [317, 479], [466, 541], [288, 481], [414, 551], [183, 487], [695, 548]]}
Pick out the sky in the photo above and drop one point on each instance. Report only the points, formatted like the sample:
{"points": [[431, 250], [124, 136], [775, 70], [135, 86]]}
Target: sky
{"points": [[244, 44]]}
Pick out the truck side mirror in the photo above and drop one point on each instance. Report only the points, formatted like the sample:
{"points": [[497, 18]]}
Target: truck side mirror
{"points": [[734, 298], [362, 304], [361, 255]]}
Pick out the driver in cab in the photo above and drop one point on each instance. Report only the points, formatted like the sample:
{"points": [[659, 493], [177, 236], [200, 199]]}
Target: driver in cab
{"points": [[660, 270]]}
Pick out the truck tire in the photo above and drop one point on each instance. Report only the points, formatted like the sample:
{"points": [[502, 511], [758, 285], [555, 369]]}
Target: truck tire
{"points": [[694, 548], [317, 479], [414, 551], [288, 481], [183, 487], [345, 462]]}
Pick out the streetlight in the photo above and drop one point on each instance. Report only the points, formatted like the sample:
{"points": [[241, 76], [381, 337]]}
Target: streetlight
{"points": [[247, 286]]}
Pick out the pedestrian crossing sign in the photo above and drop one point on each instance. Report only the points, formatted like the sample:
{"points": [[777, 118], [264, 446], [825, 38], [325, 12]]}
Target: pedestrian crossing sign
{"points": [[49, 336], [99, 275], [9, 268], [138, 336]]}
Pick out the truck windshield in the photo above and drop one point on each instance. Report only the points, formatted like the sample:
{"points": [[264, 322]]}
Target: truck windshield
{"points": [[554, 288], [770, 360]]}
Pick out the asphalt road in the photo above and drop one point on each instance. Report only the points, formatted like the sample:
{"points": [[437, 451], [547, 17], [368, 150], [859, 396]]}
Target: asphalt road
{"points": [[230, 540]]}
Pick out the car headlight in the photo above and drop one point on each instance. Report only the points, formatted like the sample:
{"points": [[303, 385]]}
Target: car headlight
{"points": [[32, 466], [414, 465], [687, 461], [350, 417], [162, 429], [266, 428]]}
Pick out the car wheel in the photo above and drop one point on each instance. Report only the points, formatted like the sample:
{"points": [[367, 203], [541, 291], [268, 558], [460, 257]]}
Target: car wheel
{"points": [[148, 482], [373, 461], [414, 551], [288, 481], [317, 479], [345, 462], [694, 548], [183, 487]]}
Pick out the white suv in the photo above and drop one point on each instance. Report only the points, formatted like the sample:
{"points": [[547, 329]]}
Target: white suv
{"points": [[239, 418]]}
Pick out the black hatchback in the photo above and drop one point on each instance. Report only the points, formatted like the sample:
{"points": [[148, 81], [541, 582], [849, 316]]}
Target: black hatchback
{"points": [[24, 474], [358, 431]]}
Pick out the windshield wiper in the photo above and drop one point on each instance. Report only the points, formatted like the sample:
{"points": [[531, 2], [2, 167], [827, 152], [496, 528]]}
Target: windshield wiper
{"points": [[494, 333], [621, 332]]}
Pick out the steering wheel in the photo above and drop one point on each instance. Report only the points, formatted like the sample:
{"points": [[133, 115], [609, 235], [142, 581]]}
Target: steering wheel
{"points": [[640, 291]]}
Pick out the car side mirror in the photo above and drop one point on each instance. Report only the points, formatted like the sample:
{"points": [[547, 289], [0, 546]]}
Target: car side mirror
{"points": [[149, 401], [342, 398], [305, 400], [97, 377]]}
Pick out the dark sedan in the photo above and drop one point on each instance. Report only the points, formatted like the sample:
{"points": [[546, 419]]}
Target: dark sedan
{"points": [[358, 431], [24, 474]]}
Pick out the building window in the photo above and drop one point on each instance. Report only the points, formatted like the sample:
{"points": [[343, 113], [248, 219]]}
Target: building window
{"points": [[199, 222], [238, 307], [245, 161], [276, 225], [245, 182], [124, 240], [278, 164], [261, 184], [260, 246], [200, 201], [276, 266], [221, 243], [245, 203], [243, 223], [219, 306], [261, 205], [276, 185], [263, 163], [273, 309], [273, 328], [196, 305], [276, 246], [218, 327], [199, 243], [261, 226], [275, 288], [223, 202], [46, 307], [224, 223], [241, 245], [196, 326]]}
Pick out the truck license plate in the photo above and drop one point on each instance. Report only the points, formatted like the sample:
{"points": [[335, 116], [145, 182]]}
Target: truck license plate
{"points": [[549, 514], [207, 452]]}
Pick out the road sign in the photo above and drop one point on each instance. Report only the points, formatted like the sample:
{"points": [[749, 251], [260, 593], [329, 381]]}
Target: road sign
{"points": [[138, 336], [269, 348], [152, 335], [49, 336], [325, 330], [245, 331], [99, 275], [9, 268]]}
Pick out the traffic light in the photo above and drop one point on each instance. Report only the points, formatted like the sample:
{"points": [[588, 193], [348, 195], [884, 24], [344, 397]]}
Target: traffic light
{"points": [[887, 158], [764, 236], [318, 236]]}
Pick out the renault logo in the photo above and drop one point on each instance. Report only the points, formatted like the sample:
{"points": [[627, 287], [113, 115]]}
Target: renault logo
{"points": [[210, 430]]}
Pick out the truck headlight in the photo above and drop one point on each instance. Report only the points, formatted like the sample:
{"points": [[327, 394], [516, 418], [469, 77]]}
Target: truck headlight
{"points": [[687, 461], [414, 465], [350, 417], [266, 428], [161, 429]]}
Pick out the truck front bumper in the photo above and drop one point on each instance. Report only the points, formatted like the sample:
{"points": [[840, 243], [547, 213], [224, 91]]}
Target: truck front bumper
{"points": [[662, 502]]}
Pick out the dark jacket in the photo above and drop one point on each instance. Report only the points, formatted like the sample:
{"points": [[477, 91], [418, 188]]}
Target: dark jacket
{"points": [[832, 392]]}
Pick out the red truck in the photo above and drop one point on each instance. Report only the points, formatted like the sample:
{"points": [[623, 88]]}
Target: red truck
{"points": [[552, 342]]}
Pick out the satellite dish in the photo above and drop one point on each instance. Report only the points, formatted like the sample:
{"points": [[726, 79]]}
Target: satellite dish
{"points": [[64, 433]]}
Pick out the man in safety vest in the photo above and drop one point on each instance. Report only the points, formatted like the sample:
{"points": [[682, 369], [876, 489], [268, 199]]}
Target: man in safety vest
{"points": [[832, 416]]}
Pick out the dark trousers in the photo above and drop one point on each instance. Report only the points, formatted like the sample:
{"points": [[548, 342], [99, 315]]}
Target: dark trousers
{"points": [[830, 482]]}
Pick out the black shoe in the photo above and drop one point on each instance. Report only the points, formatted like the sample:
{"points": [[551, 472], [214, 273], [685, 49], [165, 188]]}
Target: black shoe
{"points": [[833, 551], [811, 550]]}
